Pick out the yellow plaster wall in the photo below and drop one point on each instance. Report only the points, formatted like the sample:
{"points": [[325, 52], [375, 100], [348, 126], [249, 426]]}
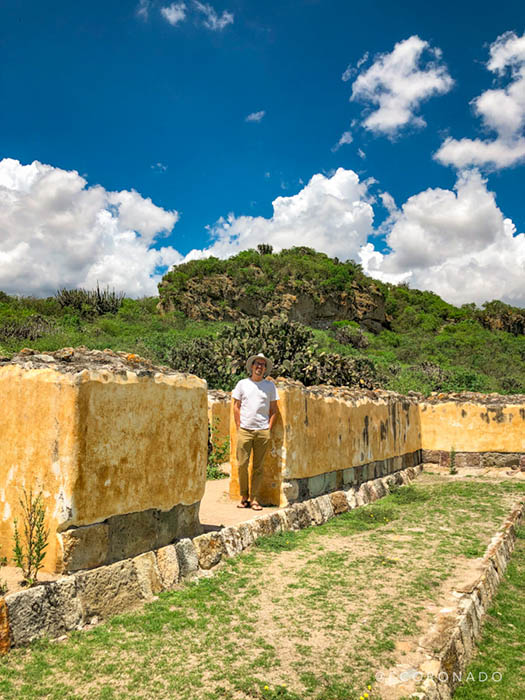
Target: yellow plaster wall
{"points": [[99, 444], [328, 433], [473, 427]]}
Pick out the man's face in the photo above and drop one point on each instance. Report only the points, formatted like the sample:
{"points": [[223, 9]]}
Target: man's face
{"points": [[258, 369]]}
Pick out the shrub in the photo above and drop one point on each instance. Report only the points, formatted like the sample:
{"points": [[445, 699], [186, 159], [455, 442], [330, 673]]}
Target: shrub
{"points": [[30, 545]]}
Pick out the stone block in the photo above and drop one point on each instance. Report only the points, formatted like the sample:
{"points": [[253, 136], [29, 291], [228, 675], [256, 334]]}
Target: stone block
{"points": [[380, 488], [109, 590], [351, 498], [323, 483], [470, 460], [168, 566], [289, 519], [246, 533], [363, 495], [48, 610], [264, 524], [339, 502], [315, 511], [304, 519], [84, 547], [148, 574], [188, 521], [500, 459], [349, 476], [326, 507], [210, 548], [131, 534], [187, 556], [231, 540]]}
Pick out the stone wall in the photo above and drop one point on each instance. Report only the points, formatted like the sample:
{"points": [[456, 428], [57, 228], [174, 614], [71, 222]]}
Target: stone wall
{"points": [[327, 437], [484, 430], [117, 446]]}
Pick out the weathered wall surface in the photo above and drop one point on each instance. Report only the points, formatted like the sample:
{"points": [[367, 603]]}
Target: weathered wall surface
{"points": [[219, 407], [483, 430], [326, 431], [115, 446]]}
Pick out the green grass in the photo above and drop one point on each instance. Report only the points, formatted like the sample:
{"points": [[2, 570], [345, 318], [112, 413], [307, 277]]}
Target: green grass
{"points": [[501, 650], [303, 615]]}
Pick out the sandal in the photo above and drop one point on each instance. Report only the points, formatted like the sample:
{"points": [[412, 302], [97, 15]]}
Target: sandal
{"points": [[245, 503], [256, 506]]}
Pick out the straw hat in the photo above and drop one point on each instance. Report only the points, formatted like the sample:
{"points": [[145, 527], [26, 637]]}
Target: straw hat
{"points": [[251, 360]]}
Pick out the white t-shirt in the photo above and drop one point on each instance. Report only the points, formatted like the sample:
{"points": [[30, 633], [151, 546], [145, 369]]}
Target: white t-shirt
{"points": [[255, 400]]}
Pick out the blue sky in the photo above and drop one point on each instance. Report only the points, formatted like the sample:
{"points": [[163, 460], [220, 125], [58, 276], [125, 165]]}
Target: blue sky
{"points": [[149, 100]]}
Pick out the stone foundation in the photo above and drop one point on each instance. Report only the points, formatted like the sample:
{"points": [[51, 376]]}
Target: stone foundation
{"points": [[124, 536], [297, 490], [476, 460]]}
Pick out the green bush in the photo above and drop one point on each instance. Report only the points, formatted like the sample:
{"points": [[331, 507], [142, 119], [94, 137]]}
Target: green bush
{"points": [[290, 345]]}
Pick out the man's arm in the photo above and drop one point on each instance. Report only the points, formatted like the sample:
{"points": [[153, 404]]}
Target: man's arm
{"points": [[237, 412], [274, 412]]}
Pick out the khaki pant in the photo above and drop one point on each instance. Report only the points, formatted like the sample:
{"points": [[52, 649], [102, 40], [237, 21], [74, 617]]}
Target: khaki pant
{"points": [[248, 440]]}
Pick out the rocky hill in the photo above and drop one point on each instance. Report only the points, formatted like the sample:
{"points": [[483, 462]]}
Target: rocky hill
{"points": [[307, 286]]}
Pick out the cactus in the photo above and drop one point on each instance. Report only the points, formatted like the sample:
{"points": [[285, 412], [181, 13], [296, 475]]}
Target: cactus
{"points": [[290, 345]]}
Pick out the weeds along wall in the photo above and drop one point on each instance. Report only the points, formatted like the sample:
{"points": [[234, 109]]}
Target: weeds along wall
{"points": [[330, 436], [118, 449]]}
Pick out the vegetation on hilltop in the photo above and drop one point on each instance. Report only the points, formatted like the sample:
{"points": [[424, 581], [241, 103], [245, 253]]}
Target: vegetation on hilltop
{"points": [[367, 334]]}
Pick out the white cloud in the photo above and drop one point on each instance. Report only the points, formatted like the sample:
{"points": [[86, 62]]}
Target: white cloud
{"points": [[174, 13], [255, 116], [361, 153], [142, 10], [211, 19], [331, 214], [397, 84], [159, 167], [501, 110], [55, 231], [346, 138], [457, 244]]}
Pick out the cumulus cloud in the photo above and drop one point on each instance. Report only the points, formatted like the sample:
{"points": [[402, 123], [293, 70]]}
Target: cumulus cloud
{"points": [[211, 19], [501, 110], [346, 137], [55, 231], [255, 116], [331, 214], [456, 243], [398, 82], [174, 13]]}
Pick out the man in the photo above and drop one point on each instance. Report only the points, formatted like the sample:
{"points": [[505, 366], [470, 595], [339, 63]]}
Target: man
{"points": [[255, 411]]}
